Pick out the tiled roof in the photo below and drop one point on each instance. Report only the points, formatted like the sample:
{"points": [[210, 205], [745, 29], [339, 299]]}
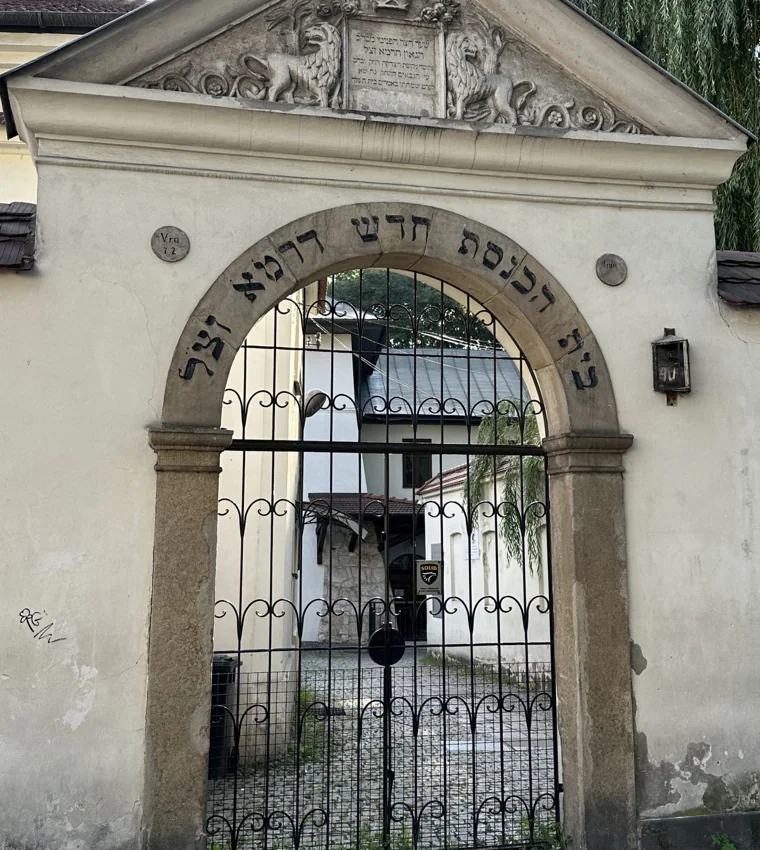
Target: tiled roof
{"points": [[63, 15], [111, 7], [453, 477], [739, 277], [448, 478], [17, 225], [463, 380], [364, 504]]}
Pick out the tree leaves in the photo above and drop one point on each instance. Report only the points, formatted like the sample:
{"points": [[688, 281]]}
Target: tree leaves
{"points": [[521, 500], [712, 46], [416, 315]]}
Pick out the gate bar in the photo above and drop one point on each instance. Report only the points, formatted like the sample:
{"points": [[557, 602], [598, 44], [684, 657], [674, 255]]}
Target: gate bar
{"points": [[325, 446]]}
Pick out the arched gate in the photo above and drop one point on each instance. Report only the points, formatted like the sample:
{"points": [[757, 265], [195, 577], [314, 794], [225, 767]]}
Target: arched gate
{"points": [[384, 665]]}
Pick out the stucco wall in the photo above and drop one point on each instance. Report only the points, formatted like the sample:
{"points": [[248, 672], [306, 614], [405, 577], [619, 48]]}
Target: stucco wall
{"points": [[375, 465], [88, 339]]}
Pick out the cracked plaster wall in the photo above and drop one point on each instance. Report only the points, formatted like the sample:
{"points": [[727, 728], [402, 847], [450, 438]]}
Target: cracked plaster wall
{"points": [[88, 338]]}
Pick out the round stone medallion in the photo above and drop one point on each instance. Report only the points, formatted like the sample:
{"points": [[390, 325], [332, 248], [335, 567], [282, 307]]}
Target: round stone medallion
{"points": [[611, 269], [170, 244]]}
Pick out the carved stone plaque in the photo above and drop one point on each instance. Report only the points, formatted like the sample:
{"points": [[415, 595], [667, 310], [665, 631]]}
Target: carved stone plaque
{"points": [[170, 244], [395, 67], [419, 58]]}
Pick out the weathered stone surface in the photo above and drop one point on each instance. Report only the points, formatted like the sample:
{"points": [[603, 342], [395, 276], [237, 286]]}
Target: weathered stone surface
{"points": [[400, 57], [394, 66], [592, 639], [181, 624], [686, 833], [352, 579]]}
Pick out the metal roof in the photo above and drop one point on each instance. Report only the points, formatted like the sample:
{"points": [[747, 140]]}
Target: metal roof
{"points": [[739, 277], [458, 383], [17, 229]]}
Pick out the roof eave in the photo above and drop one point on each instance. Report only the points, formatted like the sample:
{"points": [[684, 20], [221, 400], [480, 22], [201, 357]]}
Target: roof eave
{"points": [[109, 19], [82, 22]]}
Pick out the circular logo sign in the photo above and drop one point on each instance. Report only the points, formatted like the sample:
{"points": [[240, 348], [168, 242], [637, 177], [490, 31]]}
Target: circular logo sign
{"points": [[611, 269], [386, 646], [170, 244]]}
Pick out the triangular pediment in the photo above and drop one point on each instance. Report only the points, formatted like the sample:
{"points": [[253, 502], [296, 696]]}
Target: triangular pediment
{"points": [[532, 65], [440, 59]]}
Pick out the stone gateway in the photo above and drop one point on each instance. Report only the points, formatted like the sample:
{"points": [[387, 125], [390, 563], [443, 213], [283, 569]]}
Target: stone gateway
{"points": [[487, 154]]}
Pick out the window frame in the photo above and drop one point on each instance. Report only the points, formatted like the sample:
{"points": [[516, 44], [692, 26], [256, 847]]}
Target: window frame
{"points": [[415, 480]]}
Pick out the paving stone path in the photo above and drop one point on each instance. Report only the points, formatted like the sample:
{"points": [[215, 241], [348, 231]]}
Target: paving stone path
{"points": [[464, 768]]}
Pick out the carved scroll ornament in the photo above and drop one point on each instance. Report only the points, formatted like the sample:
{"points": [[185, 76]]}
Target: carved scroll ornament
{"points": [[299, 56], [478, 91]]}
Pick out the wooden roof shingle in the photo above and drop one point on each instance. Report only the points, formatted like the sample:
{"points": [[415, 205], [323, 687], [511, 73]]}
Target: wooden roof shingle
{"points": [[739, 277], [17, 229]]}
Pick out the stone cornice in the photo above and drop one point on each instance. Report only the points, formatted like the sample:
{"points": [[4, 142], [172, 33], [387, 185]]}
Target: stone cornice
{"points": [[586, 453], [186, 449], [53, 112]]}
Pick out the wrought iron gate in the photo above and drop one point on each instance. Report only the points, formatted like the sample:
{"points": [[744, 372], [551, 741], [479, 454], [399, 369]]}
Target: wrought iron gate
{"points": [[383, 643]]}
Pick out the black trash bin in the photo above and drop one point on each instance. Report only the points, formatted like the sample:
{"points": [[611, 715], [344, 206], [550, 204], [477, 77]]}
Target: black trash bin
{"points": [[221, 759]]}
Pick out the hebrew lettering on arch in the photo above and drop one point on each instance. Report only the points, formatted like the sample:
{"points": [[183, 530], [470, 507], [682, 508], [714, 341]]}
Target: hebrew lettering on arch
{"points": [[498, 253], [290, 246], [420, 221], [268, 260], [310, 236], [577, 339], [469, 236], [249, 287], [212, 320], [521, 288], [190, 369], [550, 299], [216, 341], [506, 274], [369, 225], [397, 219], [593, 380]]}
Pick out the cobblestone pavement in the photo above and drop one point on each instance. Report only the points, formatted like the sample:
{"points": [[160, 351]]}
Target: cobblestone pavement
{"points": [[463, 768]]}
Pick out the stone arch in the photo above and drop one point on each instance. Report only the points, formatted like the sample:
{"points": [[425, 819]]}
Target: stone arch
{"points": [[492, 268], [584, 449]]}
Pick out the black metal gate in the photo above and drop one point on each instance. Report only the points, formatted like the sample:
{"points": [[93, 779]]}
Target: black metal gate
{"points": [[383, 643]]}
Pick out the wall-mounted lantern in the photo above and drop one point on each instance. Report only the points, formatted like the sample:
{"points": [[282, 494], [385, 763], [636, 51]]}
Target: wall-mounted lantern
{"points": [[670, 358]]}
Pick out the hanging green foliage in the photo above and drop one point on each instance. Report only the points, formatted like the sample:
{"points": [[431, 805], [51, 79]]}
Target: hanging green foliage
{"points": [[712, 46], [521, 500]]}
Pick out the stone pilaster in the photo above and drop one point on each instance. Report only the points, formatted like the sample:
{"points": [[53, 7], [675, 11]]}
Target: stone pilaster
{"points": [[592, 638], [181, 627]]}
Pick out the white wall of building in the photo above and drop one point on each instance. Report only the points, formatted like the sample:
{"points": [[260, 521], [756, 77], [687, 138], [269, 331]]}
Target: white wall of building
{"points": [[475, 567], [376, 432], [328, 366], [263, 484], [331, 368]]}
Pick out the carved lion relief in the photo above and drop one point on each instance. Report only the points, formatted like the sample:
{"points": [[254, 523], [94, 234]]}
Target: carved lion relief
{"points": [[300, 54]]}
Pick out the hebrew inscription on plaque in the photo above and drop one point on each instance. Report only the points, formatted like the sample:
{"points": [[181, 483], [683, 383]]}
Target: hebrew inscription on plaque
{"points": [[394, 66]]}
